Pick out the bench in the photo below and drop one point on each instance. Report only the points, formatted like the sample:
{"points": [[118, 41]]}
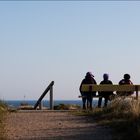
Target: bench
{"points": [[105, 87]]}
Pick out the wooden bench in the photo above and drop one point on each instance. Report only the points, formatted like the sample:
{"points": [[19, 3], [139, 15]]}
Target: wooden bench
{"points": [[117, 88]]}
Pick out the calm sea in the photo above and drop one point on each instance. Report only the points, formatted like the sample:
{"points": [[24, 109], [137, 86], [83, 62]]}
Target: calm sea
{"points": [[17, 103]]}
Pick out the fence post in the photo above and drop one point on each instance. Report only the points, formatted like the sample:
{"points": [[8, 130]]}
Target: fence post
{"points": [[41, 105], [51, 97]]}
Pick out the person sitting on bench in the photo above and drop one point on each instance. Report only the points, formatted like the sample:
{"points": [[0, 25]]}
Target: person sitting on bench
{"points": [[87, 96], [105, 94], [125, 81]]}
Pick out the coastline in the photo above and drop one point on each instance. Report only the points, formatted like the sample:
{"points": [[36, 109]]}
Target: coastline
{"points": [[17, 103]]}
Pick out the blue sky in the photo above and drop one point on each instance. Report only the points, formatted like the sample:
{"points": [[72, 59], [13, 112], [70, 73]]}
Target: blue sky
{"points": [[61, 41]]}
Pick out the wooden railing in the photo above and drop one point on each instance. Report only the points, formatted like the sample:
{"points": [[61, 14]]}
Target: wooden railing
{"points": [[38, 103]]}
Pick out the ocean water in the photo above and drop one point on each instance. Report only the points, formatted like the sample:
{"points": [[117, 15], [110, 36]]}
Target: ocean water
{"points": [[46, 103]]}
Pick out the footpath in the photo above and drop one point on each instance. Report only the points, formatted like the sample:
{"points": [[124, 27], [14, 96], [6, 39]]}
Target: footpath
{"points": [[53, 125]]}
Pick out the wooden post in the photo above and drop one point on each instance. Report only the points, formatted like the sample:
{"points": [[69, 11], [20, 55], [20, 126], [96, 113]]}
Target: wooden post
{"points": [[51, 97], [43, 94], [40, 105], [136, 88]]}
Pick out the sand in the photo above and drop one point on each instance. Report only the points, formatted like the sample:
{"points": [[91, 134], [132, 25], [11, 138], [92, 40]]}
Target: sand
{"points": [[53, 125]]}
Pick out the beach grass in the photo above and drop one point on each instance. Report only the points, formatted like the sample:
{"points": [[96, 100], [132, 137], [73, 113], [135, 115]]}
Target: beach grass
{"points": [[122, 115]]}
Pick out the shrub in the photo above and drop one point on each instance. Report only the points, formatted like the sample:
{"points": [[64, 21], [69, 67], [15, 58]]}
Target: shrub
{"points": [[124, 108], [122, 114], [125, 117]]}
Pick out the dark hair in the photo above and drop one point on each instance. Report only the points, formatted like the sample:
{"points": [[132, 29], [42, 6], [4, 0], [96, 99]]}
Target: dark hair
{"points": [[126, 76]]}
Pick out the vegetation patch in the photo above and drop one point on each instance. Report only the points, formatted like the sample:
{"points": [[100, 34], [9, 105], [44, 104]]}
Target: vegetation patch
{"points": [[3, 110], [66, 107], [122, 115]]}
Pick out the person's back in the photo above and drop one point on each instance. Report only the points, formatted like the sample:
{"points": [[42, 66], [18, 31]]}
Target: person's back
{"points": [[106, 82], [125, 81], [87, 96], [105, 94]]}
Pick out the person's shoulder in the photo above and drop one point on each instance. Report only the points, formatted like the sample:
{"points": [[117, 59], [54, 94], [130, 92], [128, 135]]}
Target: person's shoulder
{"points": [[93, 80], [84, 80], [102, 82], [121, 81], [110, 82]]}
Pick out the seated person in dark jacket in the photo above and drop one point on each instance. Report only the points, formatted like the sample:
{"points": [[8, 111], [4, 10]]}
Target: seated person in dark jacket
{"points": [[89, 79], [105, 94], [125, 81]]}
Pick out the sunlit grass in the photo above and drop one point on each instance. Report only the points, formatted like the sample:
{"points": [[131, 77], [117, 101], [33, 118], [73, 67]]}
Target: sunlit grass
{"points": [[122, 114]]}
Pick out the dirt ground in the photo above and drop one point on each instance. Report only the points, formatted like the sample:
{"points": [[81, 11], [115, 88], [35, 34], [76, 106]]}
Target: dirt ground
{"points": [[53, 125]]}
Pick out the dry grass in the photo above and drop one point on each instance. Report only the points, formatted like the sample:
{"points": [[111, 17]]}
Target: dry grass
{"points": [[124, 108], [125, 116], [66, 107], [3, 109], [122, 114]]}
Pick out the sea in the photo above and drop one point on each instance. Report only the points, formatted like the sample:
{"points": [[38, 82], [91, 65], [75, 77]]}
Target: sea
{"points": [[46, 103]]}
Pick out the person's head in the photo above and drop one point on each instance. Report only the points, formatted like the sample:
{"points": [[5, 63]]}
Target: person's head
{"points": [[126, 76], [106, 76], [89, 74]]}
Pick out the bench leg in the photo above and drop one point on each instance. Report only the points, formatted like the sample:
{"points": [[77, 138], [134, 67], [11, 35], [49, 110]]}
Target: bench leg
{"points": [[136, 88]]}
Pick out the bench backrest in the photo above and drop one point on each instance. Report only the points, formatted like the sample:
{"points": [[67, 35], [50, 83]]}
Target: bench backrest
{"points": [[93, 87], [107, 87]]}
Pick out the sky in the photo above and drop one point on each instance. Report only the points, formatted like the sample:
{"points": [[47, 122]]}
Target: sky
{"points": [[44, 41]]}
